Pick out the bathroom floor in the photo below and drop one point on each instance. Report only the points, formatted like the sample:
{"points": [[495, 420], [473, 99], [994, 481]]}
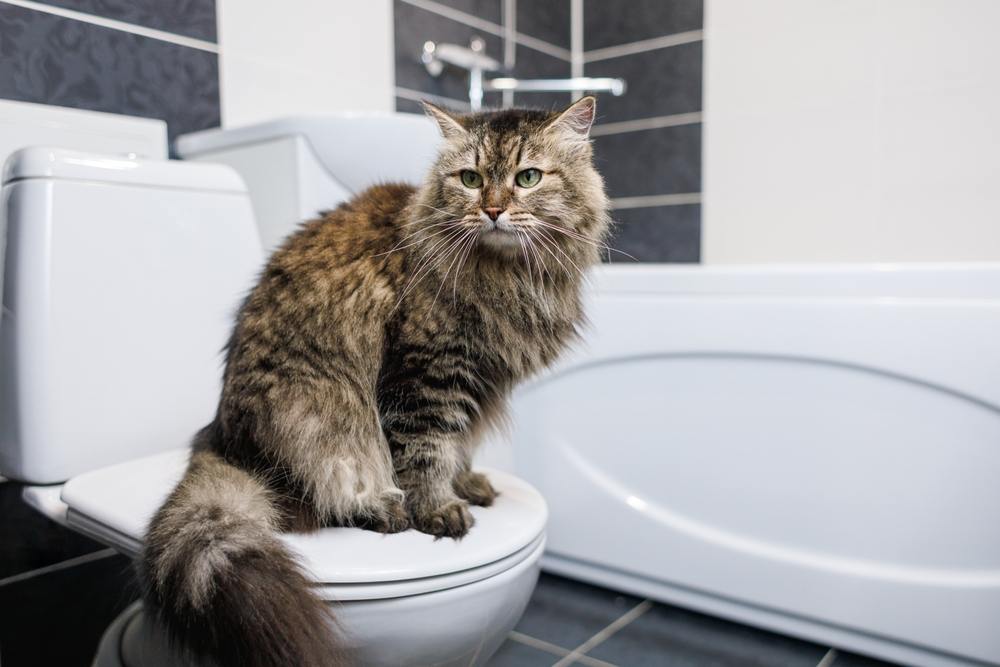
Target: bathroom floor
{"points": [[571, 623]]}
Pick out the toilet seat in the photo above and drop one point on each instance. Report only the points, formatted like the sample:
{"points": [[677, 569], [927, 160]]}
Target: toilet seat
{"points": [[114, 504]]}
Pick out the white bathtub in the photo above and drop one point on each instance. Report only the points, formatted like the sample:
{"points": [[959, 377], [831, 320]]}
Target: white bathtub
{"points": [[811, 450]]}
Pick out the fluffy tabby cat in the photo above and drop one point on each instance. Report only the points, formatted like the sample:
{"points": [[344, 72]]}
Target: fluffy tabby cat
{"points": [[380, 341]]}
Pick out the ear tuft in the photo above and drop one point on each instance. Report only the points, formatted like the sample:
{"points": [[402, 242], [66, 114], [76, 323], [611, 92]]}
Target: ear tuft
{"points": [[577, 118], [449, 125]]}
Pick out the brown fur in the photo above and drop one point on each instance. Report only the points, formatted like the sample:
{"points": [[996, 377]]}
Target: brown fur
{"points": [[380, 341]]}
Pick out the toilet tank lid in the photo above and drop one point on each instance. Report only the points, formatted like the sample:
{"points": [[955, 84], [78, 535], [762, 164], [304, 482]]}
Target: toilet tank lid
{"points": [[66, 164]]}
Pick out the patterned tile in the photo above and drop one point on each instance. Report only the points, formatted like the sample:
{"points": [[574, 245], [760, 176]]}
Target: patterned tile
{"points": [[191, 18], [650, 162], [657, 234], [547, 20], [29, 540], [612, 22], [415, 26], [58, 618], [53, 60], [567, 613], [671, 636], [658, 83]]}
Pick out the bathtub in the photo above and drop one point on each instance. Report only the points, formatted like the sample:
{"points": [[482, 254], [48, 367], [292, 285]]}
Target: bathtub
{"points": [[814, 451]]}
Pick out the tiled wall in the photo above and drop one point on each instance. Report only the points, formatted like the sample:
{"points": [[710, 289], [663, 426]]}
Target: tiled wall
{"points": [[647, 142], [144, 58]]}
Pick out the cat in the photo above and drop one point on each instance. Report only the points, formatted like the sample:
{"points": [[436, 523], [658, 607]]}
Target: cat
{"points": [[379, 343]]}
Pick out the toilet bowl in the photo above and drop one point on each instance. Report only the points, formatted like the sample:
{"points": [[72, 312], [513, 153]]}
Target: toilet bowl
{"points": [[121, 280]]}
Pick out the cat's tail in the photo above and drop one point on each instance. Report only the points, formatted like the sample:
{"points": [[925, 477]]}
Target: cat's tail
{"points": [[220, 581]]}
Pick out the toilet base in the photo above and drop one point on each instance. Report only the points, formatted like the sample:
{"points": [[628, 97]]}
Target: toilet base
{"points": [[464, 625]]}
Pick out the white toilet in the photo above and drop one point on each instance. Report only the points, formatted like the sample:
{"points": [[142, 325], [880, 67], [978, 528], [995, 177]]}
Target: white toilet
{"points": [[121, 281]]}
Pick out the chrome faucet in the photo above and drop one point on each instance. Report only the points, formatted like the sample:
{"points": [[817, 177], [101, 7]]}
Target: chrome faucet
{"points": [[474, 60]]}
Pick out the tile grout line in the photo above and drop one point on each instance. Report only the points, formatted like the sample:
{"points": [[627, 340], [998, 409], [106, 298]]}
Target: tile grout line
{"points": [[61, 565], [829, 658], [576, 42], [509, 45], [113, 24], [652, 123], [642, 46], [540, 644], [487, 26], [616, 625], [649, 201], [417, 96]]}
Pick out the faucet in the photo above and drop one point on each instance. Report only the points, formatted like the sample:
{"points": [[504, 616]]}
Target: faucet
{"points": [[474, 60]]}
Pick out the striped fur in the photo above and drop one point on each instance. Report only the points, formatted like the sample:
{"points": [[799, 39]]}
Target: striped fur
{"points": [[379, 343]]}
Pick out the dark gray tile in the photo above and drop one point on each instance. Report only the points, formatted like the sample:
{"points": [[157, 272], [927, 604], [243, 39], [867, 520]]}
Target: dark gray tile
{"points": [[659, 83], [53, 60], [489, 10], [192, 18], [651, 162], [58, 618], [547, 20], [531, 64], [29, 540], [656, 234], [515, 654], [415, 26], [408, 106], [671, 636], [567, 613], [612, 22], [854, 660]]}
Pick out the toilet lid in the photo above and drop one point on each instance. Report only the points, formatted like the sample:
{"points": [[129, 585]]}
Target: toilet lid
{"points": [[115, 504]]}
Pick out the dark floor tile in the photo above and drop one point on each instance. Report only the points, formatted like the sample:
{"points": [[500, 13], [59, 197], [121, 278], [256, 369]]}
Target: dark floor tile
{"points": [[612, 22], [547, 20], [58, 618], [29, 540], [415, 26], [671, 636], [488, 10], [650, 162], [854, 660], [53, 60], [567, 613], [658, 83], [515, 654], [531, 64], [656, 234], [191, 18]]}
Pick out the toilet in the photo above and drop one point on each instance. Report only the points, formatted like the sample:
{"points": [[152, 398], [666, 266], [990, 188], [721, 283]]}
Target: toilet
{"points": [[121, 281]]}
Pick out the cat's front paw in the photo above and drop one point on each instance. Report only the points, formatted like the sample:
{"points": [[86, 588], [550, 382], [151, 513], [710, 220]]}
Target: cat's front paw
{"points": [[391, 516], [476, 488], [452, 519]]}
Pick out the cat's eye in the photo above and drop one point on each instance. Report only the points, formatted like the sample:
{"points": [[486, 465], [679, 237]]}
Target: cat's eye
{"points": [[471, 179], [528, 178]]}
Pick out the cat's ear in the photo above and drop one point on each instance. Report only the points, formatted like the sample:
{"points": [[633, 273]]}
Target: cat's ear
{"points": [[576, 120], [448, 124]]}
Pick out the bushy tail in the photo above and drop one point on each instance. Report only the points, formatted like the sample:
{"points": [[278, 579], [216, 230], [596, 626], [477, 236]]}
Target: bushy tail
{"points": [[220, 581]]}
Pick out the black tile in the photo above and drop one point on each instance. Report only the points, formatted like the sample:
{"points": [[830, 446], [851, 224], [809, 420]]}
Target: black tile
{"points": [[547, 20], [567, 613], [29, 540], [489, 10], [531, 64], [415, 26], [650, 162], [515, 654], [191, 18], [656, 234], [854, 660], [408, 106], [658, 83], [612, 22], [671, 636], [53, 60], [58, 618]]}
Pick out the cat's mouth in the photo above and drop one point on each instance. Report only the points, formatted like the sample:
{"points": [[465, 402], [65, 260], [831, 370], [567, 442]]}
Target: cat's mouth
{"points": [[499, 234]]}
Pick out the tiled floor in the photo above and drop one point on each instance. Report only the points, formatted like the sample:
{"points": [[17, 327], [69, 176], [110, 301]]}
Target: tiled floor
{"points": [[570, 623]]}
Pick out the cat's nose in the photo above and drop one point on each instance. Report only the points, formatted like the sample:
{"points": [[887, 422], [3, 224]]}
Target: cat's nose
{"points": [[494, 212]]}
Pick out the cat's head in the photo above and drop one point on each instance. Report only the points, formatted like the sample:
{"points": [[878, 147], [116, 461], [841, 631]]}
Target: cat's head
{"points": [[515, 183]]}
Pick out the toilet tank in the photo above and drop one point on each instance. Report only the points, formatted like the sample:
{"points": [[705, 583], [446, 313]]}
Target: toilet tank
{"points": [[298, 166], [121, 281]]}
